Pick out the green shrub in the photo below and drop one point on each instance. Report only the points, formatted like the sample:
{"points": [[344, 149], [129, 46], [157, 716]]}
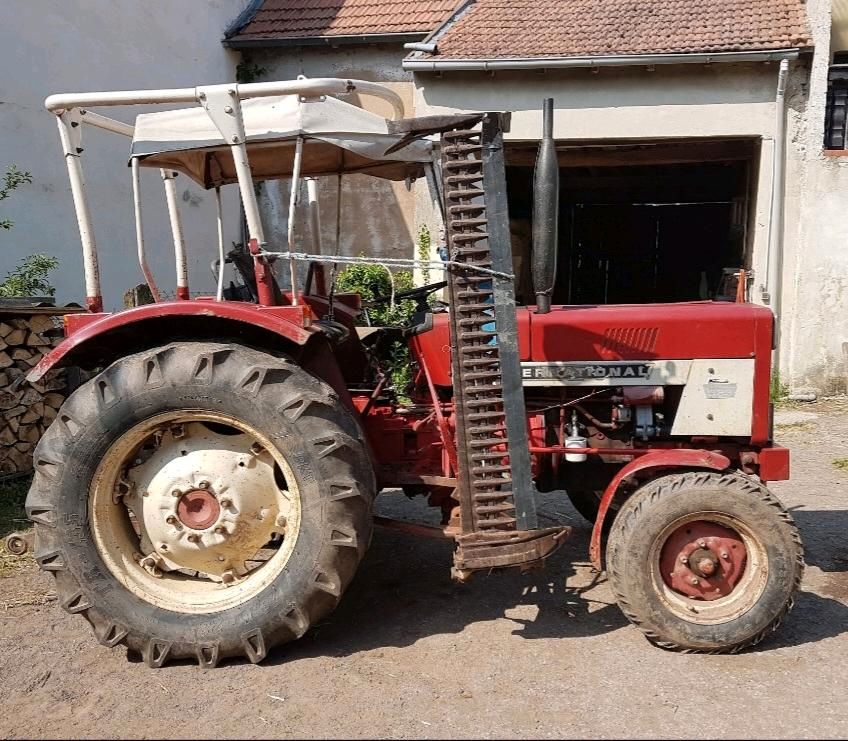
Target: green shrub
{"points": [[370, 282], [424, 244], [30, 277]]}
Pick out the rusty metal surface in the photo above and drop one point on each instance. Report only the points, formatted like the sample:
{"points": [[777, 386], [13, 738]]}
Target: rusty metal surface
{"points": [[681, 459], [497, 549], [703, 560], [495, 491], [198, 509], [19, 543]]}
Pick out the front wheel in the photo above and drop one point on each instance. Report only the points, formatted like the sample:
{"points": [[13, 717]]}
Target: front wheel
{"points": [[201, 501], [704, 562]]}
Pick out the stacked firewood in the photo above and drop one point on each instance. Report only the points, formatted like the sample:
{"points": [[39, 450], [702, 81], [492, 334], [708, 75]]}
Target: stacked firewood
{"points": [[26, 409]]}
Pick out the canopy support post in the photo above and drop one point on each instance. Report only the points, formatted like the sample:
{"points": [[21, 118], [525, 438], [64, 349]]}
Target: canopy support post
{"points": [[168, 177], [295, 187], [222, 104], [139, 232], [315, 230], [70, 132], [219, 293]]}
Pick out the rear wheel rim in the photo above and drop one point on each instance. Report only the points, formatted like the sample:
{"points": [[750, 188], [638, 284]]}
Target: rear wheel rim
{"points": [[708, 567], [194, 511]]}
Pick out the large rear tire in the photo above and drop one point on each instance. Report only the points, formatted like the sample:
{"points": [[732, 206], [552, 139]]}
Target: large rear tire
{"points": [[201, 501], [704, 562]]}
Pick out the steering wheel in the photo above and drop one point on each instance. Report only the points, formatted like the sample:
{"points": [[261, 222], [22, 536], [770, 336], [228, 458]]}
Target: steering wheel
{"points": [[419, 295]]}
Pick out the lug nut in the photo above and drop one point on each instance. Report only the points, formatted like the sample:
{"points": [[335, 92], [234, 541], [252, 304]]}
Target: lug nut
{"points": [[725, 555], [282, 521], [170, 519], [220, 530], [702, 544], [193, 538], [694, 581], [203, 484], [684, 560], [226, 502], [176, 493]]}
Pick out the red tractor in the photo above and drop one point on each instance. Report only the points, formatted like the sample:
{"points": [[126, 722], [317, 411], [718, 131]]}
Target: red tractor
{"points": [[208, 492]]}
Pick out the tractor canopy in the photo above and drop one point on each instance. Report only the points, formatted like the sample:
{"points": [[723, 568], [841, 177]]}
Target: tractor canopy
{"points": [[337, 138]]}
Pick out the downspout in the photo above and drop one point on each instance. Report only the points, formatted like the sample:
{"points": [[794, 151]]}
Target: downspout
{"points": [[774, 274]]}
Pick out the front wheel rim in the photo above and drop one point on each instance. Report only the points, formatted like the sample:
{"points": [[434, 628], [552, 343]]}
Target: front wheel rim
{"points": [[709, 568], [194, 511]]}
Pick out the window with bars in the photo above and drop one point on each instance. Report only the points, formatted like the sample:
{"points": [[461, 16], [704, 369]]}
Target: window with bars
{"points": [[836, 113]]}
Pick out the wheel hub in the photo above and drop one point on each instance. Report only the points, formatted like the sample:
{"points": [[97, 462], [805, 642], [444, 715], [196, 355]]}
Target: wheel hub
{"points": [[198, 509], [208, 502], [703, 560]]}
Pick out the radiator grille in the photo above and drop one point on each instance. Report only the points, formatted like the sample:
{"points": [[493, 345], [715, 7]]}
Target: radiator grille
{"points": [[629, 342]]}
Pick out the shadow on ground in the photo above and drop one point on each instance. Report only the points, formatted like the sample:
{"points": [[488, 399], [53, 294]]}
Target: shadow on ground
{"points": [[404, 593], [825, 534]]}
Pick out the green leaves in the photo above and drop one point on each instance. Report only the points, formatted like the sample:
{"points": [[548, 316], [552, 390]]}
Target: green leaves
{"points": [[372, 281], [12, 180], [30, 277]]}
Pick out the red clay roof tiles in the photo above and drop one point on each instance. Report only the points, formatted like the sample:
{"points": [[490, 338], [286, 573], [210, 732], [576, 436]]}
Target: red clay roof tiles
{"points": [[491, 29], [289, 19]]}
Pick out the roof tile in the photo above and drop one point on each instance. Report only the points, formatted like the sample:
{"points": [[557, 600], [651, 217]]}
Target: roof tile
{"points": [[492, 29], [286, 19]]}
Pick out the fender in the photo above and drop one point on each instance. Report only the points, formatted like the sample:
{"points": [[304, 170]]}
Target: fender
{"points": [[85, 331], [672, 458]]}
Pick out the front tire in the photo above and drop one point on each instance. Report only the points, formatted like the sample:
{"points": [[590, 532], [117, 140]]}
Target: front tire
{"points": [[704, 562], [201, 501]]}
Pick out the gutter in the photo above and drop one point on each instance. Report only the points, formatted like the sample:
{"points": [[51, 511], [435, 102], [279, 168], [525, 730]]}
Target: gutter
{"points": [[365, 38], [774, 272], [619, 60]]}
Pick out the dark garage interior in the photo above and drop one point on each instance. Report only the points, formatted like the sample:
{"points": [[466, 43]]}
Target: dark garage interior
{"points": [[640, 223]]}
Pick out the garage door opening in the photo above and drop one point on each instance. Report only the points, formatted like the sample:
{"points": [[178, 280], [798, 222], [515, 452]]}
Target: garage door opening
{"points": [[640, 223]]}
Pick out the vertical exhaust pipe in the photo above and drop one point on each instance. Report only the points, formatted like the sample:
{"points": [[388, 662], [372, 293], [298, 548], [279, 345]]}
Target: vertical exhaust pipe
{"points": [[545, 212]]}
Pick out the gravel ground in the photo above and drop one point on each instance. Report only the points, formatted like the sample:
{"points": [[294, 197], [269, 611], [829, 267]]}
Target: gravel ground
{"points": [[409, 654]]}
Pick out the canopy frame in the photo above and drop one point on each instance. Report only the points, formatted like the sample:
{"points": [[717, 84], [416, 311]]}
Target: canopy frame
{"points": [[222, 104]]}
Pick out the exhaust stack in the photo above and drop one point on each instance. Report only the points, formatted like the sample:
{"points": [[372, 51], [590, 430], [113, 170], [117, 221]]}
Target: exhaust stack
{"points": [[545, 212]]}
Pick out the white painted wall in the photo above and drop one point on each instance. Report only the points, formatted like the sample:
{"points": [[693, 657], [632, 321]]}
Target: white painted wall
{"points": [[816, 259], [88, 45]]}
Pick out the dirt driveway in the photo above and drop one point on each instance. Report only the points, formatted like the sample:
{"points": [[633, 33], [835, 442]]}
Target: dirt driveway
{"points": [[409, 654]]}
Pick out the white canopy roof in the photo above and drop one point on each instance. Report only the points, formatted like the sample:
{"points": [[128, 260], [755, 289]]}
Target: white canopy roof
{"points": [[338, 137]]}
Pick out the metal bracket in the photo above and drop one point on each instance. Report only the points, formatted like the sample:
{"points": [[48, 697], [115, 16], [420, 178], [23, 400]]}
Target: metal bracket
{"points": [[71, 132], [222, 104]]}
